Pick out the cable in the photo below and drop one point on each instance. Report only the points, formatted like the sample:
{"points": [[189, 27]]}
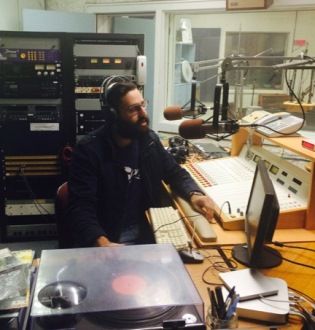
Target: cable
{"points": [[37, 205], [229, 261], [292, 246], [298, 100], [303, 295], [293, 262], [309, 319], [302, 110], [170, 223], [206, 281], [219, 266], [221, 208]]}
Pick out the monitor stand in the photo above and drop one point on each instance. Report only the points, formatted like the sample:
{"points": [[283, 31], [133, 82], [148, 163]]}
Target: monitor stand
{"points": [[267, 258]]}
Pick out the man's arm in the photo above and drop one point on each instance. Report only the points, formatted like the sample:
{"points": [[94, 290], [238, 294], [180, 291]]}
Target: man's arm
{"points": [[184, 185], [202, 204], [103, 241]]}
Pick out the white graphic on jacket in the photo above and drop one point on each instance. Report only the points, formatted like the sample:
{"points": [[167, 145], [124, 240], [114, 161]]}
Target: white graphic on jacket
{"points": [[133, 173]]}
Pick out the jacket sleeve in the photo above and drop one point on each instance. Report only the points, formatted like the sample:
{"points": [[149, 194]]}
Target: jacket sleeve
{"points": [[82, 209]]}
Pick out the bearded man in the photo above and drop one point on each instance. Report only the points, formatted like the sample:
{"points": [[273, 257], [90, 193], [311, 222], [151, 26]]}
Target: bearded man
{"points": [[117, 171]]}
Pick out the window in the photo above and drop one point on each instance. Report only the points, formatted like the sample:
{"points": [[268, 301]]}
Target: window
{"points": [[220, 35], [252, 44]]}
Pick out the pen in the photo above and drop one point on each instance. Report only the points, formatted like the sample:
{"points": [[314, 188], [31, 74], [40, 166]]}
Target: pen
{"points": [[211, 303], [232, 308], [214, 304], [231, 293], [228, 300], [220, 301]]}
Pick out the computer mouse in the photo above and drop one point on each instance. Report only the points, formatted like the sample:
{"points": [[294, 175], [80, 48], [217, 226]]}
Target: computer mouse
{"points": [[191, 256]]}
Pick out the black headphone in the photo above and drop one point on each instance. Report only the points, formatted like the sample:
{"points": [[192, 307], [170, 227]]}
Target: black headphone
{"points": [[177, 141], [107, 86], [178, 148]]}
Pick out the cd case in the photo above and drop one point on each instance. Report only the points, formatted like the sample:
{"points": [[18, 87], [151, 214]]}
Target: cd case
{"points": [[123, 287]]}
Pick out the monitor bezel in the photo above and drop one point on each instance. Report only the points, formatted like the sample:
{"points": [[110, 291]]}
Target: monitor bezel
{"points": [[269, 207], [255, 253]]}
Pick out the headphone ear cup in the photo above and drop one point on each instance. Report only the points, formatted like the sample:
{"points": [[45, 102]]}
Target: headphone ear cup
{"points": [[109, 113], [108, 84]]}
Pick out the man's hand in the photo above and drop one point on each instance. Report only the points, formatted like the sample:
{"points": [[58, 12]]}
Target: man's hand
{"points": [[102, 241], [203, 205]]}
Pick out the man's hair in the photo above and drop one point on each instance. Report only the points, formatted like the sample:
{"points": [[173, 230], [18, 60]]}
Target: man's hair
{"points": [[117, 92]]}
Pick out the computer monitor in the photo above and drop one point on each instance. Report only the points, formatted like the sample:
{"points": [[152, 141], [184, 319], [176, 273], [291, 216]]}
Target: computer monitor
{"points": [[260, 222]]}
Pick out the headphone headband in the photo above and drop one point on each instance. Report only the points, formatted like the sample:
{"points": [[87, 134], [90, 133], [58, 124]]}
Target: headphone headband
{"points": [[106, 87]]}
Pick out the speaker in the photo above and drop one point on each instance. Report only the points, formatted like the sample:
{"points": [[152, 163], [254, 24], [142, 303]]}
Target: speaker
{"points": [[108, 84]]}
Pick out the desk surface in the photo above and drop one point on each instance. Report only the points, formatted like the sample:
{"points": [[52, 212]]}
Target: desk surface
{"points": [[297, 277]]}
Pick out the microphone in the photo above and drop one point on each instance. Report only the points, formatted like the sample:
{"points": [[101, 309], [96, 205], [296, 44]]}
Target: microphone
{"points": [[175, 112], [198, 128]]}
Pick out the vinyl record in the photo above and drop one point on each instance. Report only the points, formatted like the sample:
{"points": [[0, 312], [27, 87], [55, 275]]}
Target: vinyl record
{"points": [[139, 281], [133, 284], [129, 284]]}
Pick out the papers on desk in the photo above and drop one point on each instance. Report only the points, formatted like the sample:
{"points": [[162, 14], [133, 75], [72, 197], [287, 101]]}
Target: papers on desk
{"points": [[15, 269], [8, 261]]}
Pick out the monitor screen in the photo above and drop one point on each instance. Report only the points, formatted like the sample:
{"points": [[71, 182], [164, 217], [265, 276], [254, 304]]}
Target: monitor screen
{"points": [[260, 222]]}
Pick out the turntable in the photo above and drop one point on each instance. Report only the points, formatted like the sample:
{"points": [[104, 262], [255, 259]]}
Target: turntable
{"points": [[123, 287]]}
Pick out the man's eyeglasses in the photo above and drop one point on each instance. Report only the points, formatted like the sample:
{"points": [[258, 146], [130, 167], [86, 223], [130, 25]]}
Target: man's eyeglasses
{"points": [[136, 108]]}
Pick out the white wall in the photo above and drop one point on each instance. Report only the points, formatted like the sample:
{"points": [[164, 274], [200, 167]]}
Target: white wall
{"points": [[11, 12], [66, 5], [58, 21], [9, 15]]}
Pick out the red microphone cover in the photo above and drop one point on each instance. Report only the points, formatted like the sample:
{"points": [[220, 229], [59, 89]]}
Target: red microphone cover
{"points": [[192, 129], [173, 112]]}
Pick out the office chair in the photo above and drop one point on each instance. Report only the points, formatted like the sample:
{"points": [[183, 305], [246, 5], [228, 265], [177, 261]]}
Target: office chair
{"points": [[61, 203]]}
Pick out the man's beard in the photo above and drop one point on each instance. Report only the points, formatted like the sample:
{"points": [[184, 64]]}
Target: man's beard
{"points": [[129, 130]]}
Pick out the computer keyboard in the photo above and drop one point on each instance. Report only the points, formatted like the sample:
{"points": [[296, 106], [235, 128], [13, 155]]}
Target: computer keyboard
{"points": [[199, 223], [168, 227]]}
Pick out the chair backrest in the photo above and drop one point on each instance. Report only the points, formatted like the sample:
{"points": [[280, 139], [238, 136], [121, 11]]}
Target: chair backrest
{"points": [[61, 203], [62, 197]]}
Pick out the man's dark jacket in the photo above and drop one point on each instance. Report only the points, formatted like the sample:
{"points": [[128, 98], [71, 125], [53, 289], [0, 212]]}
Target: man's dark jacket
{"points": [[97, 185]]}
